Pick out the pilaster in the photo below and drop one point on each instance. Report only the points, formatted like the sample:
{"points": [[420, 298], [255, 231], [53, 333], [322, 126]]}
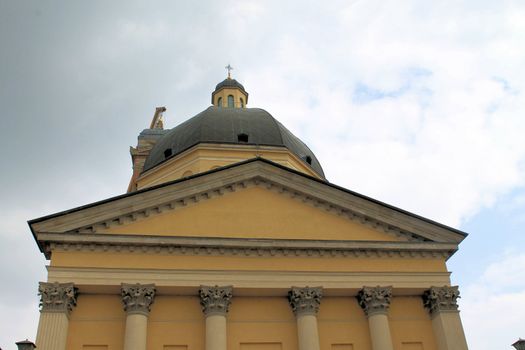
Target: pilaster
{"points": [[442, 305], [57, 300]]}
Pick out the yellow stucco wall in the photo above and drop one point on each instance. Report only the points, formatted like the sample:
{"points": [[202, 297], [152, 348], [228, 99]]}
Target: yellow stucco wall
{"points": [[253, 213], [177, 322], [343, 324], [261, 323], [410, 324], [224, 92], [97, 320], [204, 157]]}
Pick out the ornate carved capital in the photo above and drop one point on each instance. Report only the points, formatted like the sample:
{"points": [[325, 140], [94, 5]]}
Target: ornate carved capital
{"points": [[305, 301], [137, 298], [438, 299], [57, 297], [215, 300], [375, 300]]}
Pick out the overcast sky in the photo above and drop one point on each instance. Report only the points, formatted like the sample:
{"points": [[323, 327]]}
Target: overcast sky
{"points": [[420, 104]]}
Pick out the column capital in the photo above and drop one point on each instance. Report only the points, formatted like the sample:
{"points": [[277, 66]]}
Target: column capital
{"points": [[215, 300], [375, 300], [305, 301], [57, 297], [437, 299], [137, 298]]}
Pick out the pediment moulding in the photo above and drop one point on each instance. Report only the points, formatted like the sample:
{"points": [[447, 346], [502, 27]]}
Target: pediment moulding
{"points": [[180, 194], [195, 198], [208, 246]]}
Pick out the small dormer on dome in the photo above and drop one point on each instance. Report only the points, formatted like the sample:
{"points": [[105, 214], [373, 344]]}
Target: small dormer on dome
{"points": [[229, 93]]}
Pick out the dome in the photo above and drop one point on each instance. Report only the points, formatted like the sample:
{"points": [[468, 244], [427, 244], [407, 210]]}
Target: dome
{"points": [[228, 82], [246, 126]]}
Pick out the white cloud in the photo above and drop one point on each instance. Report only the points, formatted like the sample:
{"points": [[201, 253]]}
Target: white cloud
{"points": [[414, 107], [495, 305]]}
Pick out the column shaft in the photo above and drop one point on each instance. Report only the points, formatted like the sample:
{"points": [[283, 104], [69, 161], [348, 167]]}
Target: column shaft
{"points": [[135, 336], [216, 332], [305, 304], [137, 299], [307, 332], [57, 300], [215, 302], [52, 331], [380, 332], [446, 324], [449, 331], [375, 302]]}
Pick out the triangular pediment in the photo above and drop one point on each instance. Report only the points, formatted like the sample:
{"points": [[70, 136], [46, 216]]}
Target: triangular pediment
{"points": [[253, 211], [253, 199]]}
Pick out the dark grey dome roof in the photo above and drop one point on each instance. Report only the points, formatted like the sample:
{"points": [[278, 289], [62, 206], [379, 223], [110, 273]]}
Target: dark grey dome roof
{"points": [[225, 125], [228, 82]]}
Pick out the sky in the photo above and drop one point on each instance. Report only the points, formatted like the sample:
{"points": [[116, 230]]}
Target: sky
{"points": [[420, 104]]}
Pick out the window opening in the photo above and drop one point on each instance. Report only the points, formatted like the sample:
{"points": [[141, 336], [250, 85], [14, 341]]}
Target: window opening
{"points": [[242, 138], [230, 101], [167, 153], [309, 160]]}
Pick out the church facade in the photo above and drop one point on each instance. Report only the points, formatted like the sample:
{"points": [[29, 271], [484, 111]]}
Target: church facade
{"points": [[230, 237]]}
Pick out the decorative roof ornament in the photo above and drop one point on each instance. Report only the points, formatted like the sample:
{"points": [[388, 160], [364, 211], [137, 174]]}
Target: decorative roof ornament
{"points": [[520, 344], [229, 68], [158, 119]]}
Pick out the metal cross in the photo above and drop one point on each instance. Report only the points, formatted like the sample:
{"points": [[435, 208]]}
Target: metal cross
{"points": [[229, 68]]}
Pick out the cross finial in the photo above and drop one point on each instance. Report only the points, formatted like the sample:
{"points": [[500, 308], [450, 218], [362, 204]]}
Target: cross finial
{"points": [[229, 68]]}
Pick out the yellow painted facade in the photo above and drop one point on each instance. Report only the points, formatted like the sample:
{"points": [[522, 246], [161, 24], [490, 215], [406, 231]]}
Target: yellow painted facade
{"points": [[177, 321], [244, 214], [220, 98], [260, 254], [202, 158]]}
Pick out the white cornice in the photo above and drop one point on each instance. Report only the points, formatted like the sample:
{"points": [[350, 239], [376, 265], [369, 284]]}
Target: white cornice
{"points": [[241, 246], [246, 283], [176, 195]]}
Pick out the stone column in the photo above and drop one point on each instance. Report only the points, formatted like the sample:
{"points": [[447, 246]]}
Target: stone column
{"points": [[305, 304], [446, 324], [375, 301], [215, 302], [137, 299], [57, 300]]}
